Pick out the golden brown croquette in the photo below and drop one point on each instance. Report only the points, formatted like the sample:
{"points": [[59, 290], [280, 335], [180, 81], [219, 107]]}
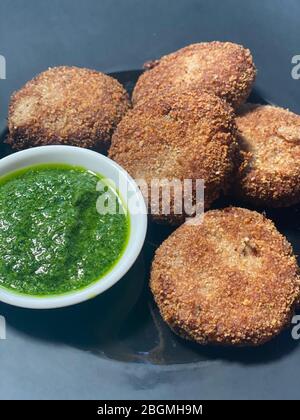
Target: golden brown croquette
{"points": [[66, 105], [269, 164], [180, 136], [232, 279], [223, 68]]}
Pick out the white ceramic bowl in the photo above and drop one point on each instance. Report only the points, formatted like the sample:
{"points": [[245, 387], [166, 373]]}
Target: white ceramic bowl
{"points": [[130, 195]]}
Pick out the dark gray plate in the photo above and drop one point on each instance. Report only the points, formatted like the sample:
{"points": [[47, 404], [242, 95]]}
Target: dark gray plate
{"points": [[116, 345], [124, 325]]}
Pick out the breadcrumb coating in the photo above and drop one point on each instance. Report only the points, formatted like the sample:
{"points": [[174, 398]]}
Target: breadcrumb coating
{"points": [[66, 105], [269, 163], [179, 136], [231, 280], [223, 68]]}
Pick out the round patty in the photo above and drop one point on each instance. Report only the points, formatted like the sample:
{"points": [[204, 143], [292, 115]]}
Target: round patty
{"points": [[269, 164], [231, 279], [178, 137], [66, 105], [223, 68]]}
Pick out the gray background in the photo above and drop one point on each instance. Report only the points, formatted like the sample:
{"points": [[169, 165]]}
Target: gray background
{"points": [[115, 35]]}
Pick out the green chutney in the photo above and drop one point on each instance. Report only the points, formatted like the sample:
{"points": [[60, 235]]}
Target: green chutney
{"points": [[53, 238]]}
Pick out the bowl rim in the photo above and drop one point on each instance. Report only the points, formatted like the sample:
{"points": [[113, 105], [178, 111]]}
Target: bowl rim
{"points": [[134, 244]]}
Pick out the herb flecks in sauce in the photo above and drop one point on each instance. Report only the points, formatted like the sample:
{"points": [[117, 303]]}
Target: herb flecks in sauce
{"points": [[52, 239]]}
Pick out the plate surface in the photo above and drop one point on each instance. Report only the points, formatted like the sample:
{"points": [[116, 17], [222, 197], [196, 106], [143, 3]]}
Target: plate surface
{"points": [[116, 346], [133, 330]]}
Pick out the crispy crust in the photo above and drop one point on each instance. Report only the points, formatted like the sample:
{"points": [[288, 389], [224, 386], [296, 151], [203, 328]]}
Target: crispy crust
{"points": [[66, 105], [223, 68], [269, 162], [181, 137], [231, 280]]}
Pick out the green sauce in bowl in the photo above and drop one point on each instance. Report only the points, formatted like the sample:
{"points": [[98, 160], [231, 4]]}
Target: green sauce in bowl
{"points": [[53, 239]]}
